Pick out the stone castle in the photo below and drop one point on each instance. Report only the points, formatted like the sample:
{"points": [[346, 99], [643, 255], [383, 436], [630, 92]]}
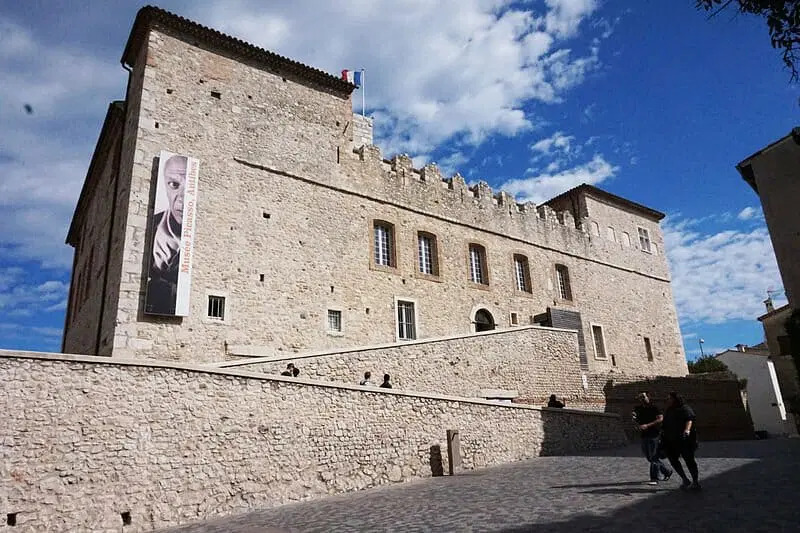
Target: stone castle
{"points": [[301, 244], [306, 238]]}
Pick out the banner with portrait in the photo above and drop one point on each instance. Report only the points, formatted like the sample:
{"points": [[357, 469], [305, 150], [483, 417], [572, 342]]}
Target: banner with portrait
{"points": [[169, 276]]}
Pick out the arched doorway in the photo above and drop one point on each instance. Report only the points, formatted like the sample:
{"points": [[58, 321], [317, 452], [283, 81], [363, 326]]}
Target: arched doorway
{"points": [[484, 321]]}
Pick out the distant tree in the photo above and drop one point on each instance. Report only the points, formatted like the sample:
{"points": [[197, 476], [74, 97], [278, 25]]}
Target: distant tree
{"points": [[783, 21], [705, 364]]}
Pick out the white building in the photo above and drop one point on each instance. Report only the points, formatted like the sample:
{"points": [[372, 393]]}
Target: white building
{"points": [[764, 398]]}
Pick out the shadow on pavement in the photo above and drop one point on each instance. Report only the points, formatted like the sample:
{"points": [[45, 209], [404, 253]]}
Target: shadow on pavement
{"points": [[758, 496]]}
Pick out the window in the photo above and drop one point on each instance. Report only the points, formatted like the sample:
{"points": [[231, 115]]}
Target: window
{"points": [[514, 319], [216, 307], [648, 349], [654, 248], [644, 240], [478, 272], [599, 342], [626, 238], [522, 273], [562, 279], [427, 253], [610, 234], [384, 244], [334, 320], [595, 229], [406, 321]]}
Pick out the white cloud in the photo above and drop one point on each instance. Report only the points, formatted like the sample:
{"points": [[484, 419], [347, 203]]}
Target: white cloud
{"points": [[44, 155], [749, 213], [543, 186], [18, 297], [557, 142], [719, 276], [462, 69]]}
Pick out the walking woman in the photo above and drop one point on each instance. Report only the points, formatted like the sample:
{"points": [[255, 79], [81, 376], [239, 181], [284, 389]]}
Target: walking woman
{"points": [[679, 439]]}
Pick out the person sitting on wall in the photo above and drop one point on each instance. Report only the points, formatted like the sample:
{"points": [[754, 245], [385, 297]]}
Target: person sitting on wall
{"points": [[366, 382], [553, 402], [289, 370], [386, 384]]}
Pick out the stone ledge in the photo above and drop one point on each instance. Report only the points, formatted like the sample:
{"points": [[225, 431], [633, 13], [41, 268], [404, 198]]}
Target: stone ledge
{"points": [[167, 365], [244, 350]]}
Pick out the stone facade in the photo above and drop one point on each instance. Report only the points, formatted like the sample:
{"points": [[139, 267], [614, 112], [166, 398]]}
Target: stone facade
{"points": [[287, 201], [89, 440], [532, 361]]}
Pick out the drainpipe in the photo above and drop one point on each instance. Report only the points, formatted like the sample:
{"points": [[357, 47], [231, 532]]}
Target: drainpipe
{"points": [[113, 212]]}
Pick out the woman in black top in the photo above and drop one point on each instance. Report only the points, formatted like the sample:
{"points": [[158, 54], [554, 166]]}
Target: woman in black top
{"points": [[679, 438]]}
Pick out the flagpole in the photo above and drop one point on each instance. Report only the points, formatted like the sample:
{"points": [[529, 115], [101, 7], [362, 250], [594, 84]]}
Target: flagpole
{"points": [[363, 95]]}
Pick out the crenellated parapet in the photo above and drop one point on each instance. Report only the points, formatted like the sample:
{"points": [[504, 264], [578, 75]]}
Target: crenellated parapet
{"points": [[475, 202]]}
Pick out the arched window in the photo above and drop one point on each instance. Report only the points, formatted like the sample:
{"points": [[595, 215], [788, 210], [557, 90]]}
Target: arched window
{"points": [[383, 244], [484, 321], [478, 269], [522, 273], [562, 280]]}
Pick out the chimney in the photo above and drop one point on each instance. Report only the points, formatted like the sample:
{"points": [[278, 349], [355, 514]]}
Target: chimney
{"points": [[362, 130], [768, 303], [741, 347]]}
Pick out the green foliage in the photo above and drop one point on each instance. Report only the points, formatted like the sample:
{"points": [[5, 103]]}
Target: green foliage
{"points": [[783, 21], [706, 364]]}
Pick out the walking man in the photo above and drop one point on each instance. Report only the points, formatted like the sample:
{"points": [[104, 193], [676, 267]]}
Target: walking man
{"points": [[649, 418]]}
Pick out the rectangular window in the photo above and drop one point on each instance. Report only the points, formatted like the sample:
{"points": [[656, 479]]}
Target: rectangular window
{"points": [[514, 319], [427, 254], [334, 320], [644, 240], [522, 274], [599, 342], [562, 277], [477, 264], [611, 235], [406, 321], [216, 307], [648, 348], [384, 244]]}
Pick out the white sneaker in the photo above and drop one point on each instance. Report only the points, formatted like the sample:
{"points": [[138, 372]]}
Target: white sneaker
{"points": [[652, 482]]}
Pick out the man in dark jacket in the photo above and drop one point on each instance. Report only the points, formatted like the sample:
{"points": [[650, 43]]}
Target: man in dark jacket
{"points": [[679, 439], [649, 418]]}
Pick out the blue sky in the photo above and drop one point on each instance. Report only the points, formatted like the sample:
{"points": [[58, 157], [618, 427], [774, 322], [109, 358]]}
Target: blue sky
{"points": [[649, 100]]}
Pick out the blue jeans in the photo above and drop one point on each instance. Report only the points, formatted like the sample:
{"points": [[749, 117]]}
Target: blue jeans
{"points": [[650, 451]]}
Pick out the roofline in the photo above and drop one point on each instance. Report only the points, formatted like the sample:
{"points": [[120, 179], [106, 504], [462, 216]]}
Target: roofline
{"points": [[745, 167], [115, 112], [595, 191], [774, 312], [150, 17]]}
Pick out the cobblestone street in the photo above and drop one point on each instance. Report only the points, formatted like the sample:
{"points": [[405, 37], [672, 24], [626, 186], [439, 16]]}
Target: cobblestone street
{"points": [[747, 486]]}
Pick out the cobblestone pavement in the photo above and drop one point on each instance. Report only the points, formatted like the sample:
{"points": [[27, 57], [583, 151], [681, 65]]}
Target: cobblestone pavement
{"points": [[747, 486]]}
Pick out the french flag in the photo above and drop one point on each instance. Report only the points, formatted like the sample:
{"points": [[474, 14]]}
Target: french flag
{"points": [[353, 76]]}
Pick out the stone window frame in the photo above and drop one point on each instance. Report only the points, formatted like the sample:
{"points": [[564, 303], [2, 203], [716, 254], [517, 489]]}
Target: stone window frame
{"points": [[326, 322], [436, 255], [485, 286], [570, 292], [393, 266], [593, 325], [490, 309], [513, 319], [226, 317], [517, 292], [594, 228], [626, 239], [611, 234], [417, 330], [649, 240]]}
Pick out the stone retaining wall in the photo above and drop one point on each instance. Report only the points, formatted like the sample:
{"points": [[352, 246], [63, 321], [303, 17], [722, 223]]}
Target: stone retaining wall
{"points": [[87, 439], [534, 361]]}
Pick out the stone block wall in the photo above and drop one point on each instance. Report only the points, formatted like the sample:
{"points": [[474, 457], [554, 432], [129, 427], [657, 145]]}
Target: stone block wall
{"points": [[534, 361], [86, 440], [721, 413]]}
